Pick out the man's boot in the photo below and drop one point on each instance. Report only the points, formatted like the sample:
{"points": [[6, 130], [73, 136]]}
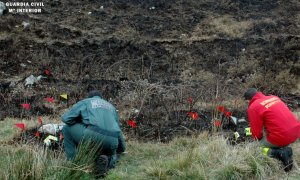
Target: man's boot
{"points": [[101, 166], [285, 155], [112, 161]]}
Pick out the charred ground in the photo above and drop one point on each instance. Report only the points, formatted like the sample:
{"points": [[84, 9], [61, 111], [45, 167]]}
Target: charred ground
{"points": [[151, 56]]}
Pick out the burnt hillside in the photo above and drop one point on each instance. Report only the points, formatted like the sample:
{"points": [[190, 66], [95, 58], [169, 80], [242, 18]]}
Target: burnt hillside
{"points": [[149, 55]]}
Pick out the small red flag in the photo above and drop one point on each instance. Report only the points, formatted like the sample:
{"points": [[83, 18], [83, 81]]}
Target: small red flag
{"points": [[21, 126], [50, 99], [26, 106], [37, 134], [190, 100], [228, 114], [193, 115], [217, 123], [47, 72], [132, 123], [40, 121], [221, 108]]}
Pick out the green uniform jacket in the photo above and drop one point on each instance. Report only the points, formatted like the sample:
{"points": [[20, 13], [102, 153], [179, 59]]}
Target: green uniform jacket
{"points": [[98, 112]]}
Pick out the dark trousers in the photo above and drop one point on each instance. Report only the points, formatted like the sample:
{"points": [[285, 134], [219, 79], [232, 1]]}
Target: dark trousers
{"points": [[77, 133]]}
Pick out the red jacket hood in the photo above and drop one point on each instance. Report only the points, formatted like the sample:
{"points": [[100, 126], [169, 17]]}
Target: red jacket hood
{"points": [[258, 95]]}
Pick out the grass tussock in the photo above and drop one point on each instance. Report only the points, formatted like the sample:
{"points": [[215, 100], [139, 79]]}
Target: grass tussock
{"points": [[30, 162], [212, 159]]}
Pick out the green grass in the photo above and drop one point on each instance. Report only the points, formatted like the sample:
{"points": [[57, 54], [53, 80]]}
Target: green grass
{"points": [[201, 157]]}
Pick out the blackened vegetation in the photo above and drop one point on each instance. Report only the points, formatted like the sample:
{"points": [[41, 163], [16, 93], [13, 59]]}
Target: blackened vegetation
{"points": [[186, 126], [39, 106], [151, 55]]}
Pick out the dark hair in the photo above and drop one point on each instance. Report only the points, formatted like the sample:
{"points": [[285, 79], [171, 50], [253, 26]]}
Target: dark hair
{"points": [[94, 93], [250, 93]]}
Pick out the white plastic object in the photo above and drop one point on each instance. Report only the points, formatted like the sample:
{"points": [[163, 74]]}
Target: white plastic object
{"points": [[51, 128], [236, 135], [47, 141], [30, 80]]}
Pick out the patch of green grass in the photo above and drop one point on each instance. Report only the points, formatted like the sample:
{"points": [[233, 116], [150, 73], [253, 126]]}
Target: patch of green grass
{"points": [[7, 130]]}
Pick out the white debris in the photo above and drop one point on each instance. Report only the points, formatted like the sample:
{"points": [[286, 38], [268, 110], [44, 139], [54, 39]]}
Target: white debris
{"points": [[236, 135], [242, 120], [51, 128], [47, 141], [25, 24], [101, 7], [89, 13], [23, 65], [12, 84], [152, 8], [234, 120], [134, 110], [30, 80], [40, 77]]}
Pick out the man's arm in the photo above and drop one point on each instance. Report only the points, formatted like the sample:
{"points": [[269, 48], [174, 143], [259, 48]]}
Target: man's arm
{"points": [[256, 124], [73, 114]]}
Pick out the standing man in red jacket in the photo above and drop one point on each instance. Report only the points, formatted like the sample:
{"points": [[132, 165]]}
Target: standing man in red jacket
{"points": [[273, 124]]}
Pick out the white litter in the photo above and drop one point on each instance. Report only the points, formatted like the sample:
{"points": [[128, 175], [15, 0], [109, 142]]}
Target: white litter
{"points": [[47, 141], [242, 120], [40, 77], [236, 135], [234, 119], [51, 128], [23, 65], [25, 24], [30, 80]]}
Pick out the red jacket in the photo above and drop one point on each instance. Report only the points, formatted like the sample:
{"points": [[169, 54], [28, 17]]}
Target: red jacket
{"points": [[269, 112]]}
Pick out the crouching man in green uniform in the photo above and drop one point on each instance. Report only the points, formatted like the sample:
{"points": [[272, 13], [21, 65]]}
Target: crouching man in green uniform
{"points": [[97, 120]]}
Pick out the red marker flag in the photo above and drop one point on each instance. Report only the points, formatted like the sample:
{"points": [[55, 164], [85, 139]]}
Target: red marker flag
{"points": [[26, 106], [193, 115], [221, 108], [190, 100], [132, 123], [217, 123], [37, 134], [40, 121], [50, 99], [228, 114], [21, 126], [47, 72]]}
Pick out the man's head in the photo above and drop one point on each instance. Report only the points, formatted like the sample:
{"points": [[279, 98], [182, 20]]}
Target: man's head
{"points": [[94, 93], [250, 93]]}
